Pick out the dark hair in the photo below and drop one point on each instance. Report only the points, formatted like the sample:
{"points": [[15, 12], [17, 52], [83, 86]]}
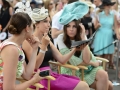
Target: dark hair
{"points": [[18, 22], [71, 1], [6, 4], [92, 1], [66, 38]]}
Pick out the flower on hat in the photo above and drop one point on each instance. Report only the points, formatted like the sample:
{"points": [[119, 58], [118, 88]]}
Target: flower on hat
{"points": [[25, 8], [39, 14]]}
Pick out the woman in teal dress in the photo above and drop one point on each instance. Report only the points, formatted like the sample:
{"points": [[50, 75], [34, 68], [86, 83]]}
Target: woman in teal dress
{"points": [[95, 76], [104, 35]]}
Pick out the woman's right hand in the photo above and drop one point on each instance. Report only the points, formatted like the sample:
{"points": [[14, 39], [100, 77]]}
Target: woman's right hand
{"points": [[36, 78], [45, 40]]}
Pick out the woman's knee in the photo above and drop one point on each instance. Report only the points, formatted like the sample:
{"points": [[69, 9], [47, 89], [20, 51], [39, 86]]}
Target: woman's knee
{"points": [[102, 76], [82, 86]]}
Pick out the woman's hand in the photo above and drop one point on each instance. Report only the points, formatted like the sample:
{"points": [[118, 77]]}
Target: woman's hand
{"points": [[81, 47], [98, 25], [33, 41], [83, 28], [45, 40], [83, 34], [95, 64], [36, 78]]}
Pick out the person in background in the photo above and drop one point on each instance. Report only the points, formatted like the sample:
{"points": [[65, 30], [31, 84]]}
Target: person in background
{"points": [[39, 3], [97, 2], [5, 13], [49, 4], [58, 6], [87, 20], [33, 4], [104, 35], [88, 23]]}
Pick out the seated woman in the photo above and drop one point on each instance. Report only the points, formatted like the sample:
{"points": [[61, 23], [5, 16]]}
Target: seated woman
{"points": [[62, 82], [12, 59], [95, 76]]}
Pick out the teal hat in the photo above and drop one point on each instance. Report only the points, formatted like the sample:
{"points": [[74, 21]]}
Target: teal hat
{"points": [[73, 11]]}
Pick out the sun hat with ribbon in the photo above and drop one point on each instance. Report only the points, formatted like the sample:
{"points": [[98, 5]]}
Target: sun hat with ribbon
{"points": [[39, 14], [73, 11]]}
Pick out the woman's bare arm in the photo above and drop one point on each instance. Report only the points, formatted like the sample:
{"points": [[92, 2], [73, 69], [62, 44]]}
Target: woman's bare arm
{"points": [[59, 57], [10, 56]]}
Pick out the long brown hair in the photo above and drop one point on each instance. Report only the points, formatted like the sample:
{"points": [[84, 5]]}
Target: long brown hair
{"points": [[66, 38], [46, 4]]}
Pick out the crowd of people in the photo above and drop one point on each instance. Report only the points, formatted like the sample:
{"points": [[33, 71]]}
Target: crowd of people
{"points": [[38, 31]]}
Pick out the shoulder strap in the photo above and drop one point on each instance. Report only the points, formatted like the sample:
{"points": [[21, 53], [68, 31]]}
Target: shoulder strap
{"points": [[5, 43]]}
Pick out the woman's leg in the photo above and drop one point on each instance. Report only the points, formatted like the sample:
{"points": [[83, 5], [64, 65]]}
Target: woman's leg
{"points": [[101, 82], [82, 86], [109, 88], [93, 85], [111, 64], [110, 85]]}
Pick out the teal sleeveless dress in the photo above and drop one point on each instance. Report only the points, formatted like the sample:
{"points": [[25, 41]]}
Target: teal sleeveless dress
{"points": [[104, 35]]}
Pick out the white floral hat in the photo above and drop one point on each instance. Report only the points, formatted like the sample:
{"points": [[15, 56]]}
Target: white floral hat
{"points": [[25, 8], [39, 14]]}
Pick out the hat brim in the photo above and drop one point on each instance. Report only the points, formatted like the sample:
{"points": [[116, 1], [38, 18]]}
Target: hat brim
{"points": [[111, 4]]}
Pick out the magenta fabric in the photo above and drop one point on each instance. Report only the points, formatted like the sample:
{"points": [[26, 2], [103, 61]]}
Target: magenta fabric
{"points": [[62, 82]]}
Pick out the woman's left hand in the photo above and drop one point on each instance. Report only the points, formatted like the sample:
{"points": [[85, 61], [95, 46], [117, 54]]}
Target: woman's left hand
{"points": [[83, 34], [82, 27], [34, 42]]}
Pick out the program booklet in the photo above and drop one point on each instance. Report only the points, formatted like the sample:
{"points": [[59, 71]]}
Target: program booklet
{"points": [[79, 43]]}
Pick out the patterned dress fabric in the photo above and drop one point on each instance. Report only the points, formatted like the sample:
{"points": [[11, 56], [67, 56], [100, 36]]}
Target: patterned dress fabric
{"points": [[20, 67]]}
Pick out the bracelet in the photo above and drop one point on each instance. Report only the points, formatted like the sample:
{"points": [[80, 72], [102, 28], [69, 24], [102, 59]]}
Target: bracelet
{"points": [[42, 51]]}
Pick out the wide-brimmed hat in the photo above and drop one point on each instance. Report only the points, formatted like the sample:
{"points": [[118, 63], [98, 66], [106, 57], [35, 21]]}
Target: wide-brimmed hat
{"points": [[107, 2], [73, 11], [39, 14]]}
